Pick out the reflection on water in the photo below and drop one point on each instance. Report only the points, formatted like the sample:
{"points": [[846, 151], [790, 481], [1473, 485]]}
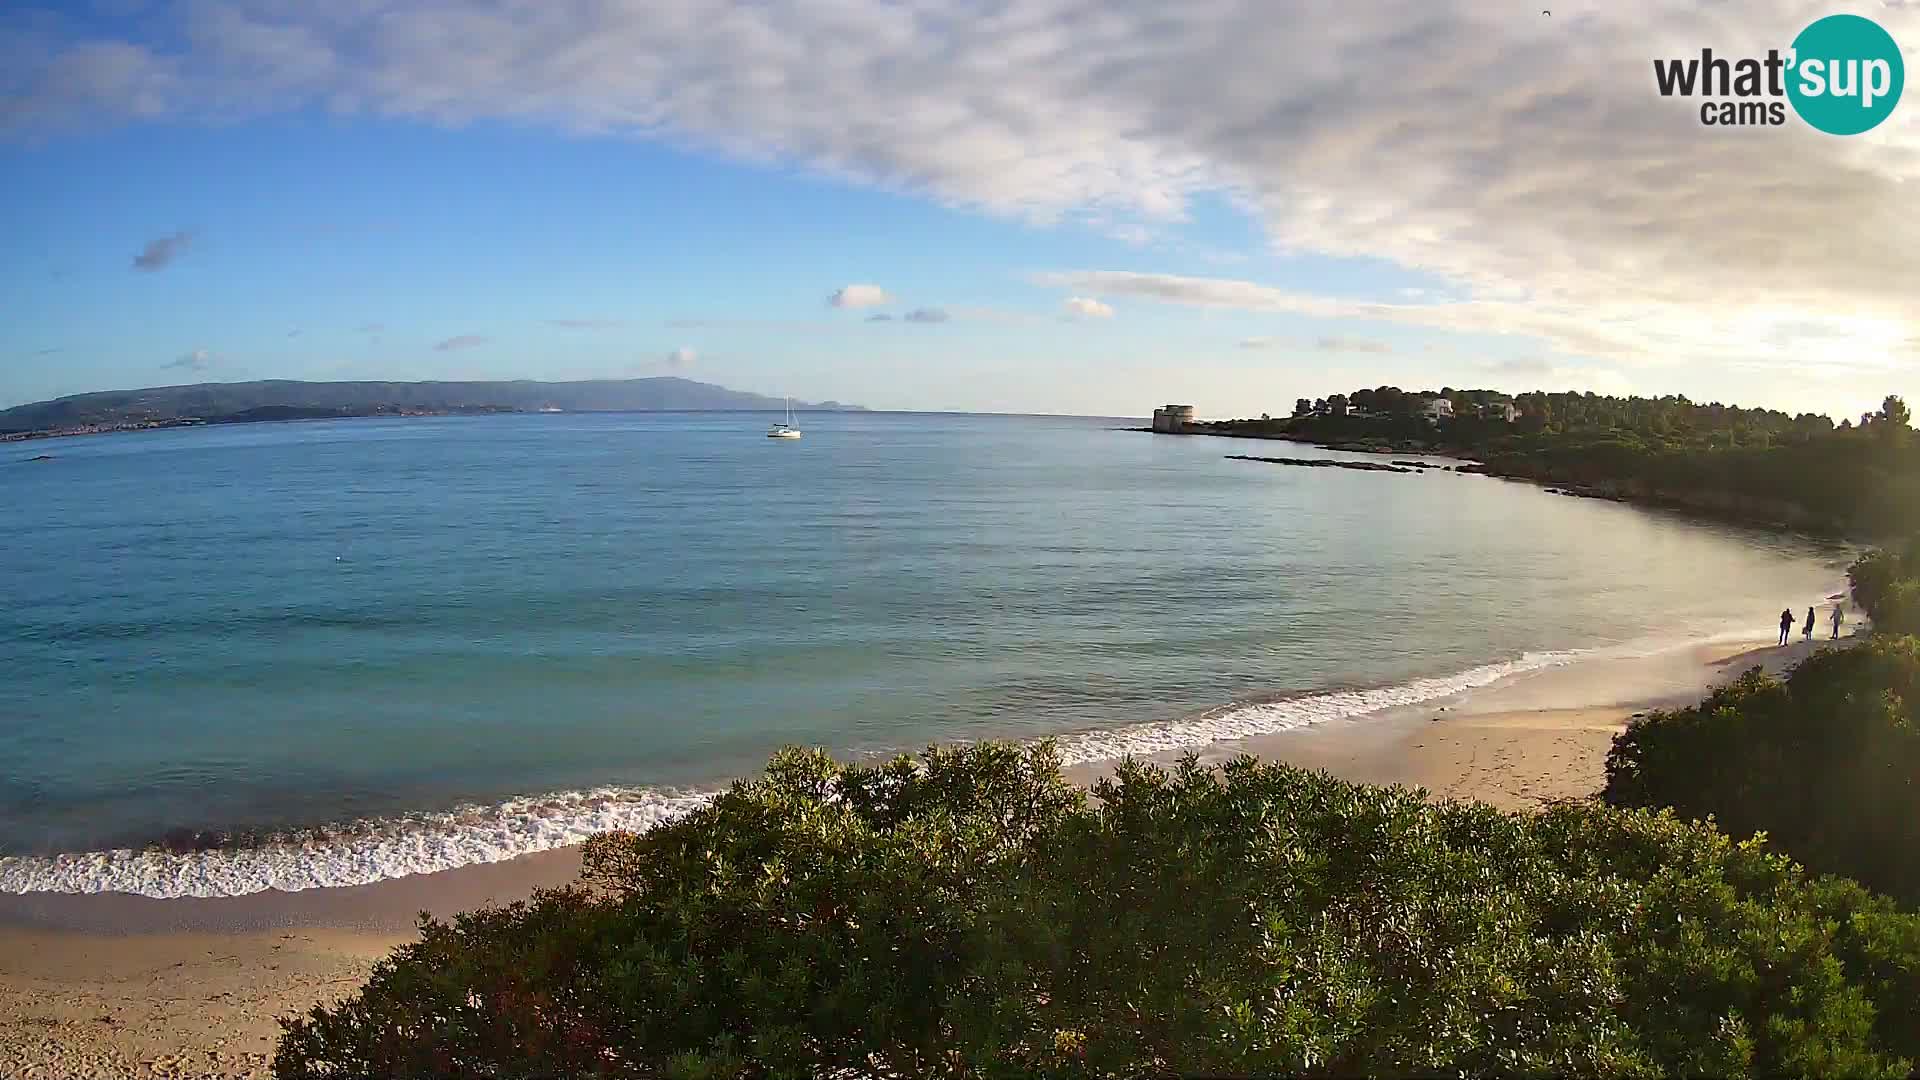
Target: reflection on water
{"points": [[279, 625]]}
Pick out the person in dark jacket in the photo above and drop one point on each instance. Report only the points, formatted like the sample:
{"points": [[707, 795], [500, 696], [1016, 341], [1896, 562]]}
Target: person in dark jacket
{"points": [[1786, 624]]}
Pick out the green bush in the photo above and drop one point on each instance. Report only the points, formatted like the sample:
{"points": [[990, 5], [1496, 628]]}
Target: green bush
{"points": [[1886, 585], [966, 913], [1825, 762], [1871, 575], [1898, 611]]}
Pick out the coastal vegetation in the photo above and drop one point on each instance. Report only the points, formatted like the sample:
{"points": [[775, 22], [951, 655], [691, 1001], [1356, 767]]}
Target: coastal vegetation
{"points": [[1825, 762], [1886, 585], [968, 913], [1758, 465]]}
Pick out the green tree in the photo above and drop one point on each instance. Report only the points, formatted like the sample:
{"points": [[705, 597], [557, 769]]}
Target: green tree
{"points": [[1825, 762], [966, 913]]}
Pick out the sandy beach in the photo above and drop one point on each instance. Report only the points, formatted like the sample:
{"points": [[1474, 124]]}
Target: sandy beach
{"points": [[126, 986]]}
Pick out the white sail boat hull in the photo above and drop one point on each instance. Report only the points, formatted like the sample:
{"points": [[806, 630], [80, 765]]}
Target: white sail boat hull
{"points": [[785, 430]]}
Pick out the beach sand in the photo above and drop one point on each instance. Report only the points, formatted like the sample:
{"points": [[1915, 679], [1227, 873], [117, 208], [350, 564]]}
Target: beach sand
{"points": [[126, 986], [1520, 743]]}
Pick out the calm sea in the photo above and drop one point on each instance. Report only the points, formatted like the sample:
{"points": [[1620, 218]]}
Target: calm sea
{"points": [[338, 651]]}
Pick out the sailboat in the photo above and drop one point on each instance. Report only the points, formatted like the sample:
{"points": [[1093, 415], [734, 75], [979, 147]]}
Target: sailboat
{"points": [[785, 430]]}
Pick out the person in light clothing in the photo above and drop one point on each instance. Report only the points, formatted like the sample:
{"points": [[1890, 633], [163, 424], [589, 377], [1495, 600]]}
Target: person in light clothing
{"points": [[1839, 617]]}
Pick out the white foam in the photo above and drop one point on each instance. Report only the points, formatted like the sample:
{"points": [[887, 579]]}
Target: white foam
{"points": [[426, 842], [368, 852], [1272, 717]]}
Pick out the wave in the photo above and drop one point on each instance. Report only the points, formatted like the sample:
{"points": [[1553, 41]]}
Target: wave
{"points": [[1285, 714], [420, 843], [356, 854]]}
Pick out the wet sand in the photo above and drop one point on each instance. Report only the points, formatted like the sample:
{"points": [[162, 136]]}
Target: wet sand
{"points": [[127, 986], [1519, 743]]}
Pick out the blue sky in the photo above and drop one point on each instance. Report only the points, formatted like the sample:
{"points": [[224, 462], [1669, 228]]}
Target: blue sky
{"points": [[452, 201]]}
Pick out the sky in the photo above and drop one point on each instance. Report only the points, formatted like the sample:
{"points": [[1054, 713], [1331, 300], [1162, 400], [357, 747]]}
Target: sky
{"points": [[1066, 206]]}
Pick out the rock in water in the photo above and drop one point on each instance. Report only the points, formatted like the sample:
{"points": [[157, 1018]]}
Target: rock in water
{"points": [[1322, 463]]}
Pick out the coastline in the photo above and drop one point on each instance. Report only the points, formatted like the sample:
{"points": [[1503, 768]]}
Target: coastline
{"points": [[125, 985], [1720, 509], [1520, 743]]}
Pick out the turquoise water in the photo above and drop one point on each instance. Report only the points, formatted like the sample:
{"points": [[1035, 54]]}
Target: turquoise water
{"points": [[454, 639]]}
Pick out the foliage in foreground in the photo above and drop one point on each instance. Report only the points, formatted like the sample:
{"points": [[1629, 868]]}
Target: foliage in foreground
{"points": [[1825, 762], [967, 913]]}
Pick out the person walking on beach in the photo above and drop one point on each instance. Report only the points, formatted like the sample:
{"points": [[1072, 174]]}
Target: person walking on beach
{"points": [[1806, 632], [1786, 624], [1838, 617]]}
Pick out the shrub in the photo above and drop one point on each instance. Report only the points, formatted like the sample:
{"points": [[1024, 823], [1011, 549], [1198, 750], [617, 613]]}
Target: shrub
{"points": [[966, 913], [1825, 763], [1871, 574], [1898, 611], [1886, 585]]}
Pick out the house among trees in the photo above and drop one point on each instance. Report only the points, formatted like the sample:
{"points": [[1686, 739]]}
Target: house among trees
{"points": [[1503, 411], [1436, 408]]}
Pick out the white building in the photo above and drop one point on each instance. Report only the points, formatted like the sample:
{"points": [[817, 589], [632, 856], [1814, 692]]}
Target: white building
{"points": [[1437, 408], [1503, 411]]}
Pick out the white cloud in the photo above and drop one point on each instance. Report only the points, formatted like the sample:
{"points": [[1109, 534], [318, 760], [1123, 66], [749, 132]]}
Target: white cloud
{"points": [[463, 341], [1520, 161], [1086, 307], [1191, 291], [681, 357], [859, 296], [1521, 376], [197, 360], [926, 315], [1352, 345], [1331, 344], [1644, 334]]}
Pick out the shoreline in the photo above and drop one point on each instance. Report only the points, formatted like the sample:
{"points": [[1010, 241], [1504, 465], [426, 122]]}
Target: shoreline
{"points": [[134, 885], [1693, 508], [1316, 728], [125, 985]]}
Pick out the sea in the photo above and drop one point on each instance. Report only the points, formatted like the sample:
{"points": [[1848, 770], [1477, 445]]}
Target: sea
{"points": [[295, 655]]}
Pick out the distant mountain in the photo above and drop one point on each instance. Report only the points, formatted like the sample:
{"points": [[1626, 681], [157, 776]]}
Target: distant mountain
{"points": [[262, 400]]}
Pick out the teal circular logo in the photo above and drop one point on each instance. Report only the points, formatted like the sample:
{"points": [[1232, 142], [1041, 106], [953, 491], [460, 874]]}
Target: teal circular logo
{"points": [[1845, 75]]}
